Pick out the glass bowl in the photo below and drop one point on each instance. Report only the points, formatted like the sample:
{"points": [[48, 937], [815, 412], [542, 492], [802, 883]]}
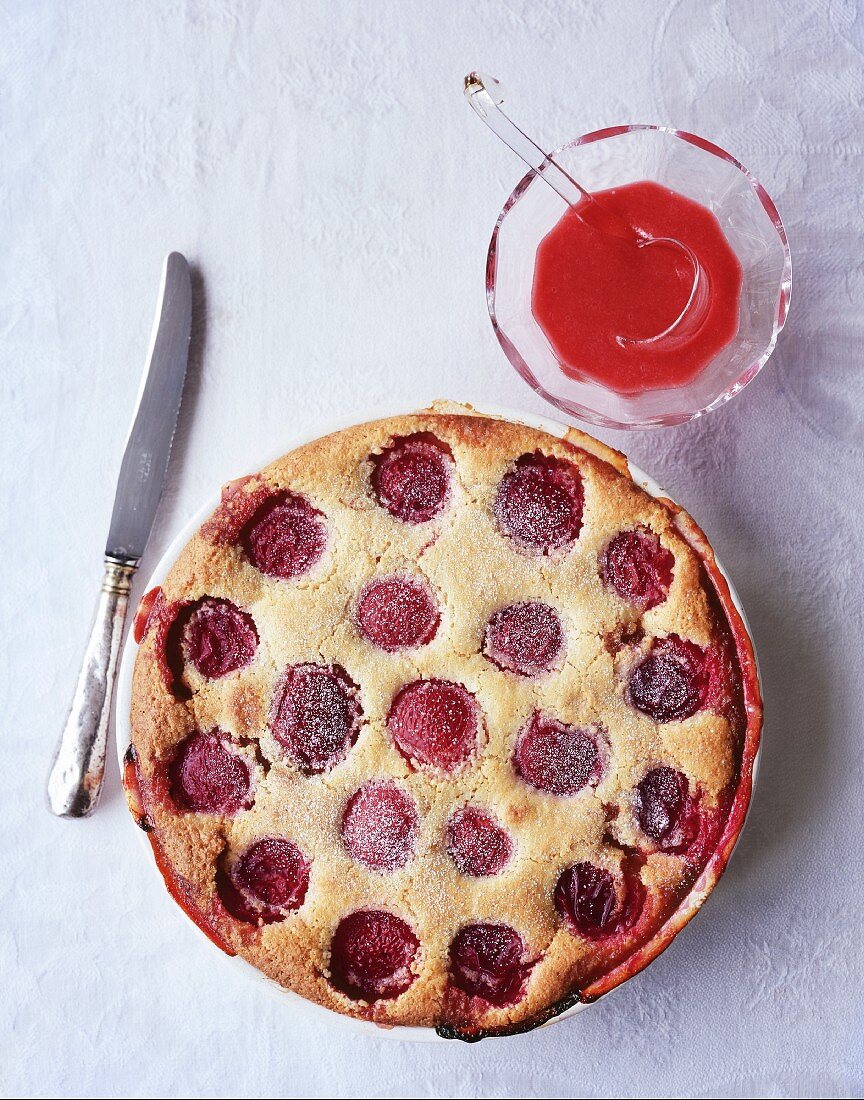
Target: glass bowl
{"points": [[695, 168]]}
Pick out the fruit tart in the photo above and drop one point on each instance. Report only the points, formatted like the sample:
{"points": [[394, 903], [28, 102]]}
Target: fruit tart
{"points": [[443, 721]]}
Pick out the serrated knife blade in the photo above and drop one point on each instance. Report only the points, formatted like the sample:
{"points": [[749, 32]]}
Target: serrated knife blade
{"points": [[75, 781]]}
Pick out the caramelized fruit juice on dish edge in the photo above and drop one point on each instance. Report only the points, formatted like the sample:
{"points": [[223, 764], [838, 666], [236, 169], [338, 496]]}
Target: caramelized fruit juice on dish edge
{"points": [[591, 287]]}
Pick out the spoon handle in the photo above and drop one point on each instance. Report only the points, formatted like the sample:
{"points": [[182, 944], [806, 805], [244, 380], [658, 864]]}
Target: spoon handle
{"points": [[486, 104], [485, 94]]}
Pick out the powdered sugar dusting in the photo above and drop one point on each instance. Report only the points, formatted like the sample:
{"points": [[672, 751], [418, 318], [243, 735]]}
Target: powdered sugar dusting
{"points": [[397, 613], [539, 504], [316, 716], [286, 536], [557, 758], [525, 638], [412, 477], [477, 843], [379, 826], [672, 682]]}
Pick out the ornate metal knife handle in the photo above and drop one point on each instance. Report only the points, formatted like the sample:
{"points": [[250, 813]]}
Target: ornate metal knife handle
{"points": [[76, 774]]}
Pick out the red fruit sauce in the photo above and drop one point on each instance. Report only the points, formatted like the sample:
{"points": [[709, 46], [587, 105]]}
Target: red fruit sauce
{"points": [[371, 955], [591, 286]]}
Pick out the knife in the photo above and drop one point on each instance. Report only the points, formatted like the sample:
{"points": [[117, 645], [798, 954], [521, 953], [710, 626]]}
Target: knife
{"points": [[76, 775]]}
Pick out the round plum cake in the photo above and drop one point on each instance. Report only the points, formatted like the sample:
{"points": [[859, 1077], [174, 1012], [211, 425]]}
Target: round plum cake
{"points": [[443, 721]]}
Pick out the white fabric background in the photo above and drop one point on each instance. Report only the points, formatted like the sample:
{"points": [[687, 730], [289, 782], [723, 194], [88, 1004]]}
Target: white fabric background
{"points": [[318, 165]]}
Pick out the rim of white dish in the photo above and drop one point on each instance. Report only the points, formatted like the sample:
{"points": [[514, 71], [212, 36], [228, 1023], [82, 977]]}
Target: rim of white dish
{"points": [[123, 724]]}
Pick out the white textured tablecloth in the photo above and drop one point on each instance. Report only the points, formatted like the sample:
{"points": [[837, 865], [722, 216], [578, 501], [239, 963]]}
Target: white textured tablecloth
{"points": [[317, 163]]}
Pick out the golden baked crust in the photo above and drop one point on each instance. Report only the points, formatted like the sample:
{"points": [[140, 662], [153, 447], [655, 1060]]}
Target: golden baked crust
{"points": [[473, 570]]}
